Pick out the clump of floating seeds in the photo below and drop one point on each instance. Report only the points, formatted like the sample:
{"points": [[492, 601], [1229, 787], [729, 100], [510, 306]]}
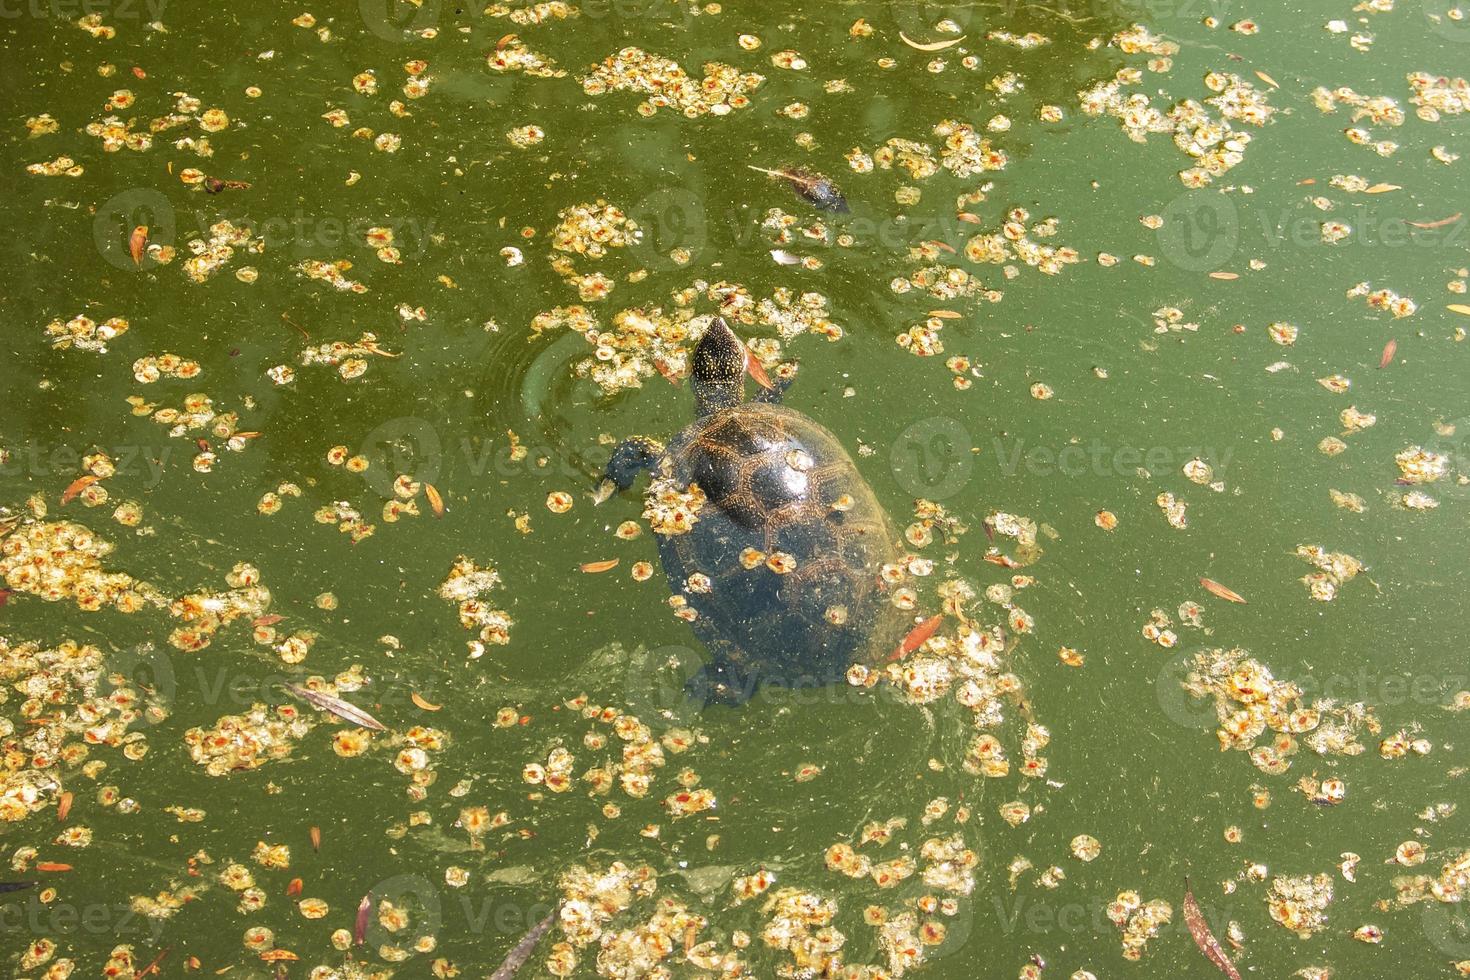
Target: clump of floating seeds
{"points": [[1384, 299], [534, 13], [592, 898], [1419, 465], [209, 256], [1013, 242], [670, 508], [632, 69], [72, 704], [1450, 886], [467, 585], [149, 369], [63, 560], [1139, 920], [237, 743], [1437, 95], [591, 229], [800, 922], [196, 414], [331, 273], [62, 166], [1299, 903], [350, 359], [84, 333], [1334, 569], [1250, 701], [204, 614], [513, 55], [1213, 144]]}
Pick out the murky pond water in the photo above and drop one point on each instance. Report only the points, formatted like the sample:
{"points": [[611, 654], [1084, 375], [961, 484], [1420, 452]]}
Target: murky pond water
{"points": [[1145, 323]]}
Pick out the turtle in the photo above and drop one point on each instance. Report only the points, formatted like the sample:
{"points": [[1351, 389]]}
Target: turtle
{"points": [[782, 547]]}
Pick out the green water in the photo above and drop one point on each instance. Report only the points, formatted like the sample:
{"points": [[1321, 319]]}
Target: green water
{"points": [[1133, 761]]}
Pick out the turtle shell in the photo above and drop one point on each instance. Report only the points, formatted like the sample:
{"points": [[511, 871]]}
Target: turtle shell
{"points": [[780, 491]]}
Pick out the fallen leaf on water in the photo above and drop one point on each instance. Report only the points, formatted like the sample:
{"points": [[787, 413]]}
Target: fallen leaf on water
{"points": [[1382, 188], [1267, 79], [267, 620], [294, 888], [500, 45], [1225, 275], [1459, 308], [1216, 589], [52, 866], [1203, 938], [139, 73], [138, 241], [916, 637], [436, 502], [316, 838], [1388, 352], [423, 702], [758, 372], [337, 706], [359, 928], [944, 245], [1309, 180], [77, 486], [593, 567], [968, 218], [276, 955], [63, 805], [931, 46], [945, 314], [1437, 224]]}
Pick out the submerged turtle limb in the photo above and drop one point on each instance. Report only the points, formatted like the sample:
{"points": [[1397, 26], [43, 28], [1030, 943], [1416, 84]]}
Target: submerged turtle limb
{"points": [[773, 394], [633, 456], [722, 680]]}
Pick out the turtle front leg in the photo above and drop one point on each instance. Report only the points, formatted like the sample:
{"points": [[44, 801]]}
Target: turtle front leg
{"points": [[632, 457], [773, 394], [723, 680]]}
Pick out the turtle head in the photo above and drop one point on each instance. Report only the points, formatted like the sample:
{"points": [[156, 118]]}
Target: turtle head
{"points": [[719, 369]]}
